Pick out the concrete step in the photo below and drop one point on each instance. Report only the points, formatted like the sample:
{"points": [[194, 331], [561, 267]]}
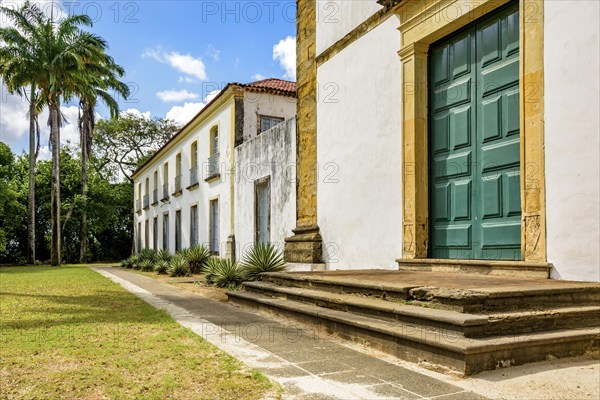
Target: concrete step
{"points": [[430, 346], [467, 325], [479, 295]]}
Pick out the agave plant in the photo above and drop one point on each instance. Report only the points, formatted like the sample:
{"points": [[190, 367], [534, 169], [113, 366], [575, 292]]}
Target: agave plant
{"points": [[147, 266], [148, 255], [136, 262], [161, 267], [224, 273], [263, 257], [127, 263], [179, 266], [163, 255], [212, 264], [197, 257]]}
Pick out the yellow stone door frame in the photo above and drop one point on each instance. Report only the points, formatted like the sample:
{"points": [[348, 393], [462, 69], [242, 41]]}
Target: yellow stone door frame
{"points": [[423, 22]]}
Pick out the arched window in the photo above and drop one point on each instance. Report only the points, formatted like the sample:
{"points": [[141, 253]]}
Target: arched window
{"points": [[212, 169], [214, 140]]}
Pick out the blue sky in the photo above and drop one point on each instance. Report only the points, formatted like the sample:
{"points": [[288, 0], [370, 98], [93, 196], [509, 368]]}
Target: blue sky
{"points": [[175, 53]]}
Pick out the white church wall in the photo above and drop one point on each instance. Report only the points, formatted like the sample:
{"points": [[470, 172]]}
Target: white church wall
{"points": [[337, 18], [271, 155], [359, 149], [572, 139]]}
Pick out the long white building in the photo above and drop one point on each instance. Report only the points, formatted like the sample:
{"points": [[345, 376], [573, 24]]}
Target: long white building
{"points": [[219, 179]]}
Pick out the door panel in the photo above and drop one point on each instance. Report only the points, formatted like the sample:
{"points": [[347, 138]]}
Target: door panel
{"points": [[474, 156]]}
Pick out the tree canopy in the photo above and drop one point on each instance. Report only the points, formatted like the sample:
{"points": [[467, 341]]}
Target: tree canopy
{"points": [[109, 207], [121, 145]]}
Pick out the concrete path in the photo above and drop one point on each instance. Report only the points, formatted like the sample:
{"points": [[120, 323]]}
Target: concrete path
{"points": [[304, 362]]}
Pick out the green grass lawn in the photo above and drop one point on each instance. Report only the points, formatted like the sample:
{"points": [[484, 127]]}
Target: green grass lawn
{"points": [[70, 333]]}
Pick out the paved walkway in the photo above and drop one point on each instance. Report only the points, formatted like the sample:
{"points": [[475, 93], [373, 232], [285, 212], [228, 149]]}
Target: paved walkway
{"points": [[304, 362]]}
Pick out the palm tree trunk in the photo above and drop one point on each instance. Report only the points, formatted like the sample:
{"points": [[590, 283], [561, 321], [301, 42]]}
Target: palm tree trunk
{"points": [[85, 134], [31, 194], [55, 141]]}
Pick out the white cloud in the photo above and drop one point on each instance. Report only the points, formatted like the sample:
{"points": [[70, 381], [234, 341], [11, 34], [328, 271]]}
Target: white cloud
{"points": [[44, 153], [69, 132], [184, 63], [183, 114], [258, 77], [14, 123], [176, 95], [186, 79], [137, 113], [285, 53], [214, 53]]}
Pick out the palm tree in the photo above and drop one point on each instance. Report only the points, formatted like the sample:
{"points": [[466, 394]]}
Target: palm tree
{"points": [[70, 52], [20, 70], [96, 82], [60, 51]]}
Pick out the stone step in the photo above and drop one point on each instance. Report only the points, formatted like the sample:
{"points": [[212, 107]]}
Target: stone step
{"points": [[488, 294], [468, 325], [431, 319], [348, 286], [522, 269], [430, 347]]}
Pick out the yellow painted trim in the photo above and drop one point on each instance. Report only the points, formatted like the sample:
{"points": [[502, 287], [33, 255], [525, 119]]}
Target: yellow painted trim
{"points": [[421, 24], [211, 137], [178, 158], [533, 175], [195, 142], [306, 162], [213, 178], [365, 27], [232, 169]]}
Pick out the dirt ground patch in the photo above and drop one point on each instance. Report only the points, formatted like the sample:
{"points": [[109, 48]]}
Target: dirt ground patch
{"points": [[204, 290]]}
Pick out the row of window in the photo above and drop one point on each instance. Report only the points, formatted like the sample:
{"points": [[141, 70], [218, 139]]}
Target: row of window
{"points": [[213, 243], [262, 229], [212, 170]]}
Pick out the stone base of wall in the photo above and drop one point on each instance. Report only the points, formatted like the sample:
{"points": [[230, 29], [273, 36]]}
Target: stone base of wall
{"points": [[301, 267], [305, 247], [230, 248]]}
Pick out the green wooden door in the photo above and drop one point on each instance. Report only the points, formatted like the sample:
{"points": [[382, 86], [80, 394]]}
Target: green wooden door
{"points": [[474, 152]]}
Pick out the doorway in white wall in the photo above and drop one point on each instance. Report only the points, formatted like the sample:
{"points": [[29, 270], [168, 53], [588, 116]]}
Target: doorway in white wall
{"points": [[214, 227], [262, 210]]}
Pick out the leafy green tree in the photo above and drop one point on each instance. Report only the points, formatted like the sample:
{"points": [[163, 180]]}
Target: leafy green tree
{"points": [[10, 208], [121, 145], [110, 210]]}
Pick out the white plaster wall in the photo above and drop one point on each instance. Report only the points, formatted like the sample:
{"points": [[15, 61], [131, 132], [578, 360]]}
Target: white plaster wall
{"points": [[337, 18], [572, 145], [268, 104], [359, 153], [206, 191], [270, 154]]}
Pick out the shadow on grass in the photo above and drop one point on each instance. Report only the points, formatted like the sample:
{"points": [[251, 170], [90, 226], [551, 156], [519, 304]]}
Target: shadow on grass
{"points": [[104, 305]]}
